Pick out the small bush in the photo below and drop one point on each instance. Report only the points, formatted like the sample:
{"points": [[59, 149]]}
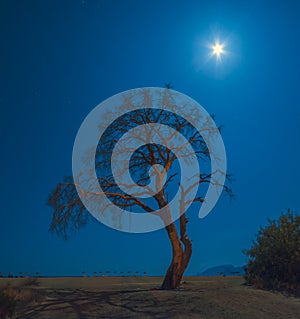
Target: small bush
{"points": [[24, 295], [12, 298], [30, 281], [274, 262], [7, 305]]}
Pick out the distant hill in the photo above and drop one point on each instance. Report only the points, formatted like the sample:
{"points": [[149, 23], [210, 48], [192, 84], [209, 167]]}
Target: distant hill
{"points": [[227, 270]]}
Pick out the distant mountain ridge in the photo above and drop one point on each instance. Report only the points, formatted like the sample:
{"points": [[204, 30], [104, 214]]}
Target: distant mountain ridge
{"points": [[227, 270]]}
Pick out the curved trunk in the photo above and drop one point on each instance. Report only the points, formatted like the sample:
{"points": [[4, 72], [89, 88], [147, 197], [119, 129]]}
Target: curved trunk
{"points": [[181, 256], [187, 253], [181, 247], [172, 277]]}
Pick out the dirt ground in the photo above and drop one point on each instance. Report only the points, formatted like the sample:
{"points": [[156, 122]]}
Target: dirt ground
{"points": [[139, 297]]}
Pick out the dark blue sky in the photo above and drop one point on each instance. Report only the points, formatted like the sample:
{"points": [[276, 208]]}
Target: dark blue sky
{"points": [[59, 59]]}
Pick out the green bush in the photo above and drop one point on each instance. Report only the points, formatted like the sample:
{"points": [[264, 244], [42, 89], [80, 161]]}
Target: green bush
{"points": [[7, 305], [274, 261]]}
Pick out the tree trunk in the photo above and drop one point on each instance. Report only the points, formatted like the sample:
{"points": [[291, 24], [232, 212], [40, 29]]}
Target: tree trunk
{"points": [[173, 275], [187, 253], [181, 247], [181, 257]]}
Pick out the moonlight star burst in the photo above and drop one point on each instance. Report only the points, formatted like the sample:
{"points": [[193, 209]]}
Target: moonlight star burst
{"points": [[217, 50]]}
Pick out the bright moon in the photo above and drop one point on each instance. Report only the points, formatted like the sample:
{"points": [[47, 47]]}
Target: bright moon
{"points": [[217, 50]]}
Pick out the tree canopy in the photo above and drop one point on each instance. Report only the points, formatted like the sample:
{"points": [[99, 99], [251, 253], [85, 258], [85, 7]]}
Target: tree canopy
{"points": [[153, 171]]}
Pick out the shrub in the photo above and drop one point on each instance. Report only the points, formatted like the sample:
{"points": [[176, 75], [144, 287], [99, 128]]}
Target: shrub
{"points": [[274, 261], [7, 305], [14, 298], [24, 295], [30, 281]]}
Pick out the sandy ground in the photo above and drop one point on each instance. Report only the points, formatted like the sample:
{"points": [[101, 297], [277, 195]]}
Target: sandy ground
{"points": [[130, 297]]}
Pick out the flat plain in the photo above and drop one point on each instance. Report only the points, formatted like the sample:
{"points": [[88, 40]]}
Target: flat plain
{"points": [[140, 297]]}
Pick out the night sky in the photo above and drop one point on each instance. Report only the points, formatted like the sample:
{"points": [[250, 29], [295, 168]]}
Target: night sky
{"points": [[59, 59]]}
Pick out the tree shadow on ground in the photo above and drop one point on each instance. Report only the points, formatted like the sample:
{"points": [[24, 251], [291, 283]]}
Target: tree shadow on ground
{"points": [[84, 304]]}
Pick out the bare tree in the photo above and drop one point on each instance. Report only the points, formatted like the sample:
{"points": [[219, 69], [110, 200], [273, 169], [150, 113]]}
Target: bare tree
{"points": [[70, 213]]}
